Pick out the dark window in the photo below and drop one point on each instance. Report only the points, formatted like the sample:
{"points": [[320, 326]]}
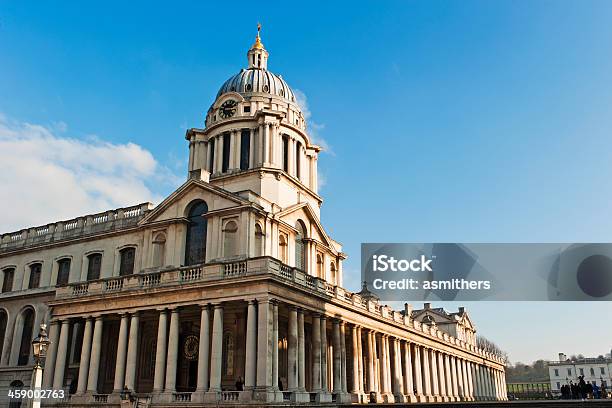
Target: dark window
{"points": [[226, 152], [7, 282], [211, 162], [300, 252], [126, 267], [245, 147], [26, 337], [63, 271], [286, 153], [298, 149], [195, 248], [3, 322], [35, 270], [247, 109], [94, 265]]}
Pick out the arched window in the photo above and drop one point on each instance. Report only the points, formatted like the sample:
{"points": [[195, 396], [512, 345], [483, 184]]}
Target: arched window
{"points": [[228, 355], [300, 246], [26, 337], [258, 240], [195, 250], [35, 270], [230, 239], [320, 271], [126, 265], [333, 274], [63, 271], [159, 250], [282, 247], [7, 280], [94, 265], [3, 323]]}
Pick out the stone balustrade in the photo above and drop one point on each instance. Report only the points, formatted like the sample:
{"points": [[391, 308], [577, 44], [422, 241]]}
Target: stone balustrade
{"points": [[257, 266], [75, 228]]}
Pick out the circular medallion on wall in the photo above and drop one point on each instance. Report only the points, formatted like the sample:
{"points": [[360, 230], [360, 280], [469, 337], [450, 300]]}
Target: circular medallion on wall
{"points": [[191, 346]]}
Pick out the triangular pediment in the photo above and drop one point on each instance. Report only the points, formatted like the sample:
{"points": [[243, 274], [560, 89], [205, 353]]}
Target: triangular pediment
{"points": [[175, 204], [304, 210]]}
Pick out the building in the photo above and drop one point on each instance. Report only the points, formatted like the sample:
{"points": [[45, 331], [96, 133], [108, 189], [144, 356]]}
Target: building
{"points": [[230, 282], [594, 370], [457, 324]]}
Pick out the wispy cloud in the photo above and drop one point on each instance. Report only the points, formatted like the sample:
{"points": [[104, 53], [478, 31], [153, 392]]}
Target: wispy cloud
{"points": [[48, 176], [314, 128]]}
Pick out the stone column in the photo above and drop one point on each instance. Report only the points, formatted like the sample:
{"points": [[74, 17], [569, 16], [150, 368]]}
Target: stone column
{"points": [[234, 159], [266, 152], [316, 353], [51, 354], [250, 370], [449, 380], [216, 352], [173, 349], [396, 371], [274, 304], [132, 353], [355, 348], [343, 357], [408, 383], [479, 383], [292, 333], [301, 352], [60, 361], [85, 356], [441, 376], [337, 357], [435, 389], [426, 374], [418, 378], [160, 352], [324, 380], [204, 350], [460, 382], [360, 370], [94, 363], [371, 363], [487, 376], [264, 389], [121, 354], [470, 382]]}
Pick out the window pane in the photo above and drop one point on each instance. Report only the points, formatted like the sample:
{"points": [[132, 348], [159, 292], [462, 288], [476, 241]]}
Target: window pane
{"points": [[126, 267], [195, 250], [34, 276], [226, 152], [26, 337], [63, 271], [93, 268], [211, 163], [7, 283], [245, 147]]}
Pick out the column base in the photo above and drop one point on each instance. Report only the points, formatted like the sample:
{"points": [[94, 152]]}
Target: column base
{"points": [[300, 396], [359, 398], [266, 394], [323, 396], [343, 397], [210, 396], [399, 398]]}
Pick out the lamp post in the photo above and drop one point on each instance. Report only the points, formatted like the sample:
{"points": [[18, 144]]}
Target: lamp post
{"points": [[39, 348]]}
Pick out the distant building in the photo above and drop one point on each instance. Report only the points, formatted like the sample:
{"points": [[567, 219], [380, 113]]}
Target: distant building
{"points": [[595, 371], [456, 324]]}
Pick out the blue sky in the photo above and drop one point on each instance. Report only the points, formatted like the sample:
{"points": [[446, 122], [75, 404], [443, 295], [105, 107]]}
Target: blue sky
{"points": [[446, 121]]}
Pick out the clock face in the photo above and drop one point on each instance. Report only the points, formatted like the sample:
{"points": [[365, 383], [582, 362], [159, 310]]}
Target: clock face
{"points": [[227, 109]]}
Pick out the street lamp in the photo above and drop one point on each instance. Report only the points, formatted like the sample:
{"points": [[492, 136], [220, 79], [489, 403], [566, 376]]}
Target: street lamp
{"points": [[40, 345]]}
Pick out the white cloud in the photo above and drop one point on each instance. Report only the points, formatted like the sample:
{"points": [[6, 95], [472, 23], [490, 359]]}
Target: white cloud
{"points": [[46, 176], [314, 128]]}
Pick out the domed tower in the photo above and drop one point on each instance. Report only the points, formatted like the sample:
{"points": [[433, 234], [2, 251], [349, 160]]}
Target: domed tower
{"points": [[255, 138]]}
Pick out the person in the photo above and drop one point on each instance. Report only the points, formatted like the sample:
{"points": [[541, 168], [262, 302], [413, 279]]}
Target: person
{"points": [[239, 384], [596, 391]]}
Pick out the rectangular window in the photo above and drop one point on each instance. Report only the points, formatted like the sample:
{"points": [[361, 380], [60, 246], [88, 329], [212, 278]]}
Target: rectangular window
{"points": [[286, 154], [556, 372], [35, 271], [592, 372], [569, 371], [245, 148], [63, 271], [126, 267], [211, 161], [602, 370], [298, 150], [93, 266], [7, 281], [558, 385], [247, 109], [582, 371], [226, 152]]}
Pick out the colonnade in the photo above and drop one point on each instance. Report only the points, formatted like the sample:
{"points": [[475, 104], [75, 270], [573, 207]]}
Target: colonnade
{"points": [[346, 362]]}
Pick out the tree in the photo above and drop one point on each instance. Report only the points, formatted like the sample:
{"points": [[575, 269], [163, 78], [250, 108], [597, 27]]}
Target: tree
{"points": [[490, 347]]}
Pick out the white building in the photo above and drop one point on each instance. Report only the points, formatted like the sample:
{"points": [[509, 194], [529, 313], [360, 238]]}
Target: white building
{"points": [[231, 278], [594, 370]]}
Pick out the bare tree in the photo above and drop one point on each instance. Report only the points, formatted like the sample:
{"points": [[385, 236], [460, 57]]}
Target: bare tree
{"points": [[489, 346]]}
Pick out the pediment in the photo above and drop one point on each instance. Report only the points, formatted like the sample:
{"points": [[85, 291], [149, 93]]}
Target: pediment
{"points": [[304, 211], [176, 204]]}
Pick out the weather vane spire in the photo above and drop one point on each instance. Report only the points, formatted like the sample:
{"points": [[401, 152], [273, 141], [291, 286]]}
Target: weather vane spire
{"points": [[258, 45]]}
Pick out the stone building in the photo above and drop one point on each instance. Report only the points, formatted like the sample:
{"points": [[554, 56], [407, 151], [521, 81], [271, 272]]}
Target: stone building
{"points": [[597, 371], [227, 292]]}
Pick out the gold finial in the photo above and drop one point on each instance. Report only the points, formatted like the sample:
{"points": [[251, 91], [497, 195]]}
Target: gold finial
{"points": [[258, 45]]}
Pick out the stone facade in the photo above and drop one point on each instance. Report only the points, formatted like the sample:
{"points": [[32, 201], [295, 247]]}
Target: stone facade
{"points": [[597, 371], [227, 292]]}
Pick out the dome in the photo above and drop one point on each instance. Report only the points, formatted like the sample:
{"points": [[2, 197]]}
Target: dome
{"points": [[257, 80]]}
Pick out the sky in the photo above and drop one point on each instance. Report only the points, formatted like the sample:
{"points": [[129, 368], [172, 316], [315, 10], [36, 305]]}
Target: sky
{"points": [[471, 121]]}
